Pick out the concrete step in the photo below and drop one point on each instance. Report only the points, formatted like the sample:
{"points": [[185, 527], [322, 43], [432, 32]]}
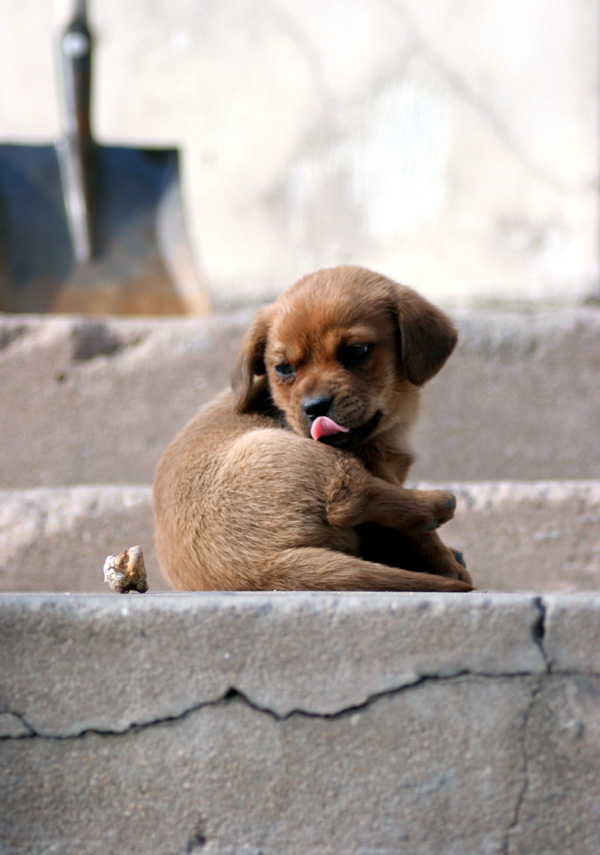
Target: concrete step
{"points": [[516, 536], [97, 401], [310, 724], [56, 539]]}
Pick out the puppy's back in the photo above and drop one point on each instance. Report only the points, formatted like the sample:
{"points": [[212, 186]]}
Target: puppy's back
{"points": [[182, 484]]}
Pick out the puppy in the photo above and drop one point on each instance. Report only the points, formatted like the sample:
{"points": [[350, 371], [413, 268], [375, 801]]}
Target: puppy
{"points": [[292, 480]]}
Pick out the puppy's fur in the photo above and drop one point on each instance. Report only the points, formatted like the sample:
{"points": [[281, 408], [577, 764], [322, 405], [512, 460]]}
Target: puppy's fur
{"points": [[245, 499]]}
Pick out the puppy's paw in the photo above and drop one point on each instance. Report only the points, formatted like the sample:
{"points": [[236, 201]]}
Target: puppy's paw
{"points": [[435, 507], [460, 558], [461, 567], [446, 504], [451, 563]]}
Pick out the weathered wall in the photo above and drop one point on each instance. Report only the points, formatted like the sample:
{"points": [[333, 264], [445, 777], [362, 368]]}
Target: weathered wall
{"points": [[452, 146]]}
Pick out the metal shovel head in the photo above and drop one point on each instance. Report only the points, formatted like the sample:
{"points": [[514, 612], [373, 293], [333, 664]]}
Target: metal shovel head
{"points": [[141, 263], [90, 228]]}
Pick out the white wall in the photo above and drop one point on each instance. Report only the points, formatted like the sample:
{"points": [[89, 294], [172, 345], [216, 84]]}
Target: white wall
{"points": [[452, 144]]}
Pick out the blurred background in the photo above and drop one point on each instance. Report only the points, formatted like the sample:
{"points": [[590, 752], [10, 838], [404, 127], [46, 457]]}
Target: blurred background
{"points": [[452, 144]]}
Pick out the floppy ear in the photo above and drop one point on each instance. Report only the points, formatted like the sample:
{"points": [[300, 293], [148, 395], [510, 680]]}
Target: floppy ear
{"points": [[428, 336], [250, 360]]}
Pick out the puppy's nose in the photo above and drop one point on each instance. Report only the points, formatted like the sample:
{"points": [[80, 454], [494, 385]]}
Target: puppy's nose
{"points": [[317, 406]]}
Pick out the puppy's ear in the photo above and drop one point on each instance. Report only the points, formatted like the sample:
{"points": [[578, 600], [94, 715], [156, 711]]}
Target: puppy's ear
{"points": [[250, 360], [428, 336]]}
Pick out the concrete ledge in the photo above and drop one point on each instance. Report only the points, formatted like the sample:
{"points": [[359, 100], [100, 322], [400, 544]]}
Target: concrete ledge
{"points": [[300, 723], [282, 652], [56, 539], [540, 536]]}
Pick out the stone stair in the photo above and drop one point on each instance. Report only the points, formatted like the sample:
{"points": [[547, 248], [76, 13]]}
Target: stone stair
{"points": [[310, 724], [88, 405], [305, 724], [518, 536]]}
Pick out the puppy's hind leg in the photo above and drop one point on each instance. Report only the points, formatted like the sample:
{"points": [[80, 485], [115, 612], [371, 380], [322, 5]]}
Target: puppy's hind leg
{"points": [[400, 522], [425, 553], [355, 497], [433, 556], [319, 569]]}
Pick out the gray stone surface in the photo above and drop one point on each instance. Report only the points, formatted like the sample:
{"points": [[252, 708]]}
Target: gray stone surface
{"points": [[405, 774], [158, 656], [572, 643], [537, 536], [298, 723], [97, 401], [517, 401], [541, 536], [57, 539], [558, 809]]}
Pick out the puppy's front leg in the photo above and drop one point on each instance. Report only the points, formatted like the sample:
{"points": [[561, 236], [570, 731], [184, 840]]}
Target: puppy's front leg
{"points": [[355, 497]]}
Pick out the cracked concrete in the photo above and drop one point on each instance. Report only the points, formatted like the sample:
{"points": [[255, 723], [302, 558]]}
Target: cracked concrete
{"points": [[320, 784], [525, 771], [301, 723], [133, 637], [14, 726], [561, 814]]}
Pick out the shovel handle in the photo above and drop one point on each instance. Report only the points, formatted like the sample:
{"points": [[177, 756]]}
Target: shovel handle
{"points": [[74, 149]]}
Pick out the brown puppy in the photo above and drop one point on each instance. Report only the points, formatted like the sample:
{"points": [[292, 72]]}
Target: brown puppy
{"points": [[293, 479]]}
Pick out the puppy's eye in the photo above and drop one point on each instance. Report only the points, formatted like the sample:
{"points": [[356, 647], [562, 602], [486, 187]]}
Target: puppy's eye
{"points": [[285, 370], [354, 354]]}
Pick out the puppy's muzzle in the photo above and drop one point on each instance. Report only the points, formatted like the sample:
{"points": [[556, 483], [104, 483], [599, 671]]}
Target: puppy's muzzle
{"points": [[320, 405]]}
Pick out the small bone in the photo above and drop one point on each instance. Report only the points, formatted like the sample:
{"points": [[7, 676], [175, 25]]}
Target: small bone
{"points": [[126, 572]]}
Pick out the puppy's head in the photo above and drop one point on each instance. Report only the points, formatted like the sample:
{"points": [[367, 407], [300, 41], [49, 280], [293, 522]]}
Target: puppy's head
{"points": [[343, 351]]}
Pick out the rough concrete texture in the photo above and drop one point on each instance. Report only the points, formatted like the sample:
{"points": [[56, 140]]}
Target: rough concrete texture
{"points": [[57, 539], [284, 653], [97, 401], [300, 723], [434, 141], [542, 536], [85, 400]]}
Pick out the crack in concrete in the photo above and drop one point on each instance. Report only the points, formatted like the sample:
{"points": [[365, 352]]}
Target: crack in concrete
{"points": [[233, 694], [525, 785], [538, 631]]}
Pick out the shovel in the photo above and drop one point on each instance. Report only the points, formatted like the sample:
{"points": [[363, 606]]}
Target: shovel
{"points": [[93, 229]]}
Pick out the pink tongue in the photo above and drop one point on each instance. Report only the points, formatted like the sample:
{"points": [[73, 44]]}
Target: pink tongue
{"points": [[326, 427]]}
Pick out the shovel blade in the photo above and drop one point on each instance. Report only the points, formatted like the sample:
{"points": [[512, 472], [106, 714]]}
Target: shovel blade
{"points": [[131, 269]]}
